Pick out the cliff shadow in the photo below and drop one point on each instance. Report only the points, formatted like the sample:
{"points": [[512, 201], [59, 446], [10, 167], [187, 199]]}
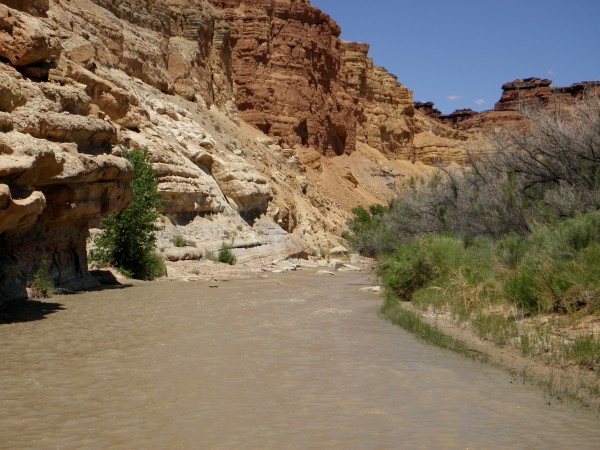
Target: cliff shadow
{"points": [[28, 311]]}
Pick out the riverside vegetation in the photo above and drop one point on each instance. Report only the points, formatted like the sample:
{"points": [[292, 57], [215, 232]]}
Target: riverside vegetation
{"points": [[128, 238], [508, 246]]}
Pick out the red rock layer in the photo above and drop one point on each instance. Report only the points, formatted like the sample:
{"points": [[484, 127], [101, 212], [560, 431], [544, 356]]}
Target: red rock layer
{"points": [[286, 64]]}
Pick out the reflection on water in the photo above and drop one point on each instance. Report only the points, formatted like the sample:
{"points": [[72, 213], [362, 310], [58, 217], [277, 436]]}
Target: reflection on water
{"points": [[290, 361]]}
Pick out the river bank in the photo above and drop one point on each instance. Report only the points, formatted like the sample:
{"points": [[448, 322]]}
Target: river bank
{"points": [[560, 381]]}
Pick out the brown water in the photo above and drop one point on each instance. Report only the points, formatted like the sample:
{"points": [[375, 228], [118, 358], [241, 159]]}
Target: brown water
{"points": [[290, 361]]}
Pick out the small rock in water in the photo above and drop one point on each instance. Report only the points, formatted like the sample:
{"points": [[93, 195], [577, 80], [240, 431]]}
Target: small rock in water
{"points": [[325, 272], [375, 289]]}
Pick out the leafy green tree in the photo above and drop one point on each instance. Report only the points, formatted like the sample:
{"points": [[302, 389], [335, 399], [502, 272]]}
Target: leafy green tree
{"points": [[128, 238]]}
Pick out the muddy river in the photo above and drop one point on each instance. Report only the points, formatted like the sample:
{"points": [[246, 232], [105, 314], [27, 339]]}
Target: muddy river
{"points": [[288, 361]]}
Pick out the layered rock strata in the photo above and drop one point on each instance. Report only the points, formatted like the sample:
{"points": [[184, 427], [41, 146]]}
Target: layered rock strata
{"points": [[286, 65], [55, 176], [383, 107]]}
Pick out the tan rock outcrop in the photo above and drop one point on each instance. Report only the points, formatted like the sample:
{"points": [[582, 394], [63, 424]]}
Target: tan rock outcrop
{"points": [[241, 183], [33, 7], [384, 107], [21, 212], [55, 175], [48, 193], [179, 47], [26, 40]]}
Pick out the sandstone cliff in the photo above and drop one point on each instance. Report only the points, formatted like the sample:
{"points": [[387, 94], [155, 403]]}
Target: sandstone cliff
{"points": [[287, 64], [265, 128]]}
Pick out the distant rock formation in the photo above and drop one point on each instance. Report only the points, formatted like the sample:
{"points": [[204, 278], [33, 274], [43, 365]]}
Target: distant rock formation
{"points": [[528, 92], [428, 109]]}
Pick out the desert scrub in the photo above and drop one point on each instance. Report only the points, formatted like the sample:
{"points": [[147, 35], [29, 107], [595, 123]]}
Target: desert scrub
{"points": [[413, 266], [41, 286], [226, 255], [128, 238], [179, 241], [504, 293]]}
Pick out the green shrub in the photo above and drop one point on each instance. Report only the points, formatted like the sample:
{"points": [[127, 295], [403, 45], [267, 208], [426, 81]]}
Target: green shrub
{"points": [[524, 289], [404, 275], [128, 238], [585, 351], [511, 250], [179, 241], [226, 255], [556, 268], [413, 266], [41, 286], [369, 233]]}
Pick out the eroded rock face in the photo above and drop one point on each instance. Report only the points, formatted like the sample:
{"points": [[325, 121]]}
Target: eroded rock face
{"points": [[26, 40], [48, 193], [384, 107], [33, 7], [179, 47], [55, 170], [287, 64]]}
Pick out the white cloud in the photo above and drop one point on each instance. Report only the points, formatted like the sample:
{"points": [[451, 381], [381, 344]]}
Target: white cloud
{"points": [[480, 101], [454, 97], [551, 72]]}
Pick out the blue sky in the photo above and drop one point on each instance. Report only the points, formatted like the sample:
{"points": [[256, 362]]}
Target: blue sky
{"points": [[458, 53]]}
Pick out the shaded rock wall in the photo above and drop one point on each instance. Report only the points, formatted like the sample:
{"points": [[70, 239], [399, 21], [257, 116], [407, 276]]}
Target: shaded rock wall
{"points": [[55, 176]]}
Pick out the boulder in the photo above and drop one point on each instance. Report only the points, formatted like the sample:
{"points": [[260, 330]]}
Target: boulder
{"points": [[30, 40], [182, 254]]}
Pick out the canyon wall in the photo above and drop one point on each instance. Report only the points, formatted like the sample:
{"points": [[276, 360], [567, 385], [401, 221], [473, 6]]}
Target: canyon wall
{"points": [[55, 170], [287, 64], [264, 127]]}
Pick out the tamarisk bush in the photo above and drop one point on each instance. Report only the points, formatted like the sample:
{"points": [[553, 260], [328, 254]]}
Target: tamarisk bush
{"points": [[548, 172]]}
